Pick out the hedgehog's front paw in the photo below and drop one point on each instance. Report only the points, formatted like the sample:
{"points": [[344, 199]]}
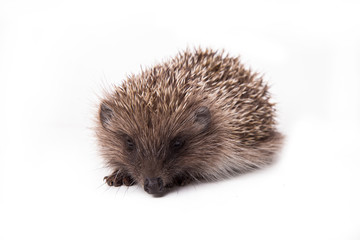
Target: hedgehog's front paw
{"points": [[182, 181], [117, 179]]}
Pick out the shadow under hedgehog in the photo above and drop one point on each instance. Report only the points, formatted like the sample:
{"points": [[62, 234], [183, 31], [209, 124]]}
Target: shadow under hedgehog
{"points": [[201, 116]]}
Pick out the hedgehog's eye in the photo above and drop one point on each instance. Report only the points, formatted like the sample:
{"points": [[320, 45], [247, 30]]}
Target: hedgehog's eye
{"points": [[177, 143], [130, 145]]}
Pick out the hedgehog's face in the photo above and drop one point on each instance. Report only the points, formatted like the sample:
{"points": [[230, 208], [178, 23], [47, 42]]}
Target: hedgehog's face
{"points": [[156, 149]]}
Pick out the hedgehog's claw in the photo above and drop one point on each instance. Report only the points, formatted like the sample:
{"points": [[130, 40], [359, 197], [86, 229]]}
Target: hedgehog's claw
{"points": [[128, 181], [117, 179], [112, 180]]}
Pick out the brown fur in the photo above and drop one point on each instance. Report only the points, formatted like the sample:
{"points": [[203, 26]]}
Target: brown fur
{"points": [[199, 116]]}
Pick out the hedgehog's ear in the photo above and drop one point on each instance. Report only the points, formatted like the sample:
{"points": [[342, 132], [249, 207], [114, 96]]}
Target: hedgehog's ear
{"points": [[106, 113], [202, 117]]}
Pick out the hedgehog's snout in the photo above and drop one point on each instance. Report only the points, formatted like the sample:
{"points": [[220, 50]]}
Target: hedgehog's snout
{"points": [[154, 185]]}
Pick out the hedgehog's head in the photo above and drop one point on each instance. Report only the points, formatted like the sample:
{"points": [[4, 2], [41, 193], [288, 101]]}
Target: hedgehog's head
{"points": [[158, 140]]}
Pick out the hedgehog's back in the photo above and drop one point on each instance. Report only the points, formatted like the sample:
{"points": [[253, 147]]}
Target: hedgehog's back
{"points": [[239, 92]]}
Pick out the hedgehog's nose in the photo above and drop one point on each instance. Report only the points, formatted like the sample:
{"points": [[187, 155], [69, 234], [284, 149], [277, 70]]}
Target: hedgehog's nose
{"points": [[153, 185]]}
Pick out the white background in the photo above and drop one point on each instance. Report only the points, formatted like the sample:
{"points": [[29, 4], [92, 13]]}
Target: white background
{"points": [[55, 57]]}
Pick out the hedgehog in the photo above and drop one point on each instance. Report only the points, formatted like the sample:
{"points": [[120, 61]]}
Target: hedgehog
{"points": [[200, 116]]}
